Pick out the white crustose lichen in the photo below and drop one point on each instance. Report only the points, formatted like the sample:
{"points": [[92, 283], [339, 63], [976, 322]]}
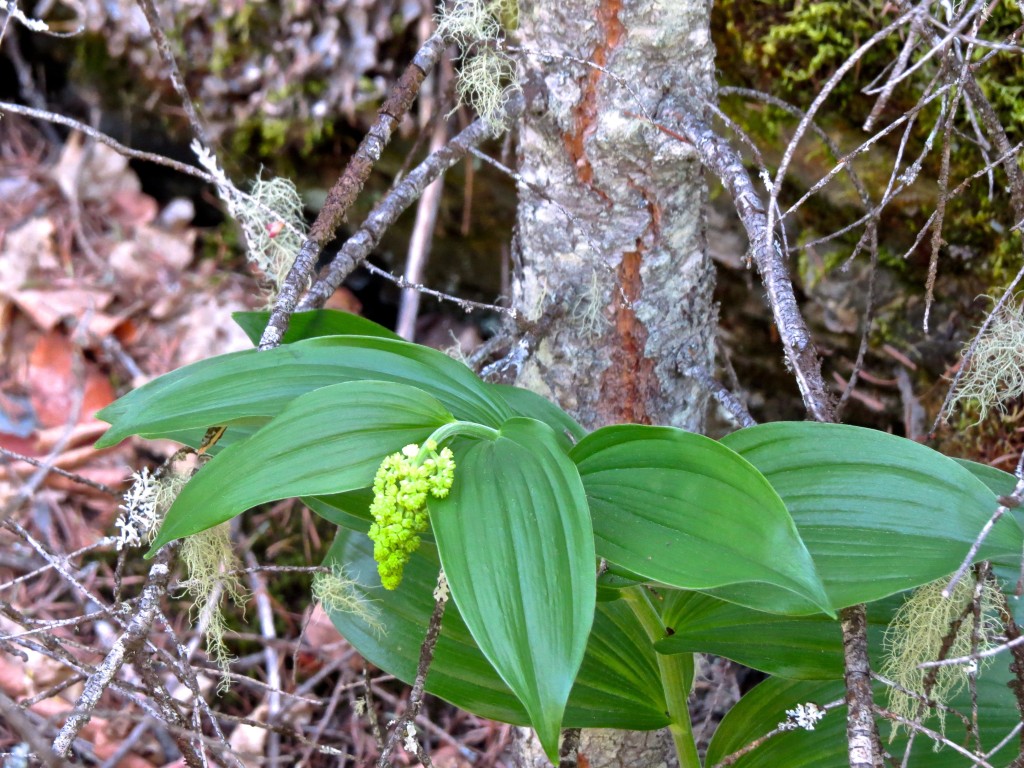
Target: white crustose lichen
{"points": [[804, 716], [139, 516]]}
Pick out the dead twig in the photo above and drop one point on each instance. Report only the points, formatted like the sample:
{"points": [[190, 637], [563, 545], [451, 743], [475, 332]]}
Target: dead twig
{"points": [[127, 645], [403, 728], [722, 160], [347, 187], [863, 745], [396, 202]]}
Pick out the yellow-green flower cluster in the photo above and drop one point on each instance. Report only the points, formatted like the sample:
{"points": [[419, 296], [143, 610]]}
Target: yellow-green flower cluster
{"points": [[399, 507]]}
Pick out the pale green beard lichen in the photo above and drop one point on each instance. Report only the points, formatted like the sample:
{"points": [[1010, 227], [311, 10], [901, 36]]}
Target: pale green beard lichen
{"points": [[995, 374], [487, 75], [270, 217], [340, 594], [211, 563], [916, 635], [588, 309], [274, 228], [399, 507]]}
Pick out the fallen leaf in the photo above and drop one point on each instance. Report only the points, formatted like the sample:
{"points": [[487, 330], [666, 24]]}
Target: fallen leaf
{"points": [[249, 742], [52, 383], [133, 208], [26, 250], [47, 308], [320, 631], [100, 173]]}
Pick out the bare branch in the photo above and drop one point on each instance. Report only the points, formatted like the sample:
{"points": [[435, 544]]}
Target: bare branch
{"points": [[88, 130], [347, 187], [722, 160], [396, 202], [863, 744], [399, 731], [164, 47], [127, 645]]}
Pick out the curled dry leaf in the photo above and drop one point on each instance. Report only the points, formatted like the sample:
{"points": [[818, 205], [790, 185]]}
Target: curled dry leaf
{"points": [[25, 251], [51, 383]]}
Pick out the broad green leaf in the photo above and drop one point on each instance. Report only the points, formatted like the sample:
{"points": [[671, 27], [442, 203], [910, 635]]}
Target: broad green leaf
{"points": [[618, 685], [329, 440], [530, 404], [515, 540], [349, 509], [252, 387], [307, 325], [685, 510], [1006, 569], [798, 647], [999, 482], [613, 579], [194, 437], [761, 710], [879, 514]]}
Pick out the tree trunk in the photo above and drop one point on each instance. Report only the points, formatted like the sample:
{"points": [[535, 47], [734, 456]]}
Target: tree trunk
{"points": [[610, 254]]}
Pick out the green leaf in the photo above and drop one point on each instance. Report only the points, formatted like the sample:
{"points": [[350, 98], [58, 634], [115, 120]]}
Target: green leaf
{"points": [[327, 441], [1006, 569], [349, 509], [999, 482], [530, 404], [515, 540], [798, 647], [765, 707], [618, 685], [252, 387], [685, 510], [879, 514], [317, 322]]}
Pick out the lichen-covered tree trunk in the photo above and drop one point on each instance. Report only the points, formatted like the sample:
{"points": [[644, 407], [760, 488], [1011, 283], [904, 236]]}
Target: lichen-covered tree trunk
{"points": [[610, 250], [615, 245]]}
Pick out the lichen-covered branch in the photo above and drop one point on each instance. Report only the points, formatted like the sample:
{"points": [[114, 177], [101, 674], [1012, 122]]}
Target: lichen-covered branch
{"points": [[396, 202], [863, 745], [348, 186], [124, 648], [726, 163]]}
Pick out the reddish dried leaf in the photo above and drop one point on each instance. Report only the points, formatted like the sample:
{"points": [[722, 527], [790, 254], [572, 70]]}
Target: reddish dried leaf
{"points": [[52, 383]]}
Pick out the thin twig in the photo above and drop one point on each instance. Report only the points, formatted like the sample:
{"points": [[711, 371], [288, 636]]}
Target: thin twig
{"points": [[74, 412], [347, 187], [722, 160], [396, 202], [1006, 503], [156, 29], [783, 727], [935, 736], [16, 719], [127, 645], [149, 157], [869, 312], [399, 731], [272, 665], [58, 471]]}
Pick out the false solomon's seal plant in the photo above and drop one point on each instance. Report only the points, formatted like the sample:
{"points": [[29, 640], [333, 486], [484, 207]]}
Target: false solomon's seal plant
{"points": [[586, 569]]}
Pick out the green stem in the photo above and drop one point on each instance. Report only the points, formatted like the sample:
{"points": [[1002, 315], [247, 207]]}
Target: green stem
{"points": [[453, 429], [676, 675]]}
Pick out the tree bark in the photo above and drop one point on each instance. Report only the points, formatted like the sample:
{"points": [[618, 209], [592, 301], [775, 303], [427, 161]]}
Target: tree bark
{"points": [[610, 255], [616, 244]]}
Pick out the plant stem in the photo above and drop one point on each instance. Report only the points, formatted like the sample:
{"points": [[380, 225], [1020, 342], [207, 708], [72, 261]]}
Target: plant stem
{"points": [[676, 677], [453, 428]]}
